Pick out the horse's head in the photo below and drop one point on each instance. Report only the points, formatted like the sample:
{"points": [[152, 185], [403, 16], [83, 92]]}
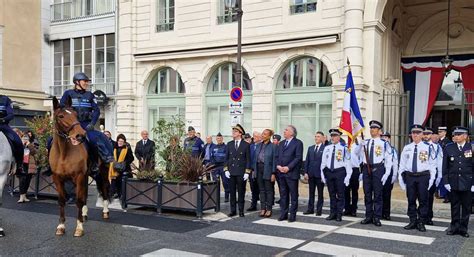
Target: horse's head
{"points": [[66, 123]]}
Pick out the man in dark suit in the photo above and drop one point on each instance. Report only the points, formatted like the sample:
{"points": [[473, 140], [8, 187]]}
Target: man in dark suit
{"points": [[145, 151], [458, 174], [253, 141], [289, 158], [312, 173], [206, 152], [237, 169]]}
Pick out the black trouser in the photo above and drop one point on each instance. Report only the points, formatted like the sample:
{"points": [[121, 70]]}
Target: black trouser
{"points": [[335, 183], [254, 189], [313, 184], [431, 194], [350, 205], [460, 210], [289, 188], [387, 196], [237, 184], [267, 192], [25, 180], [373, 190], [417, 189]]}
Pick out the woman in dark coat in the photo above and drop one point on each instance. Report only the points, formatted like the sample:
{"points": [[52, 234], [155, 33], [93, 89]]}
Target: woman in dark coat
{"points": [[123, 156]]}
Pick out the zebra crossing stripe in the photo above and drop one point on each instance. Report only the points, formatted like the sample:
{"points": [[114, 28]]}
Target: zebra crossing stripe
{"points": [[165, 252], [337, 250], [350, 231], [257, 239], [384, 222]]}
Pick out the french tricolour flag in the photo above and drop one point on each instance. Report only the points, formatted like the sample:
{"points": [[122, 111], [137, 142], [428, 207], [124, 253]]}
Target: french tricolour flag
{"points": [[351, 120]]}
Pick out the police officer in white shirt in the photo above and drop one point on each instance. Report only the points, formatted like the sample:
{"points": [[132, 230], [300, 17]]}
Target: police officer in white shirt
{"points": [[336, 171], [375, 172], [352, 191], [437, 156], [417, 175]]}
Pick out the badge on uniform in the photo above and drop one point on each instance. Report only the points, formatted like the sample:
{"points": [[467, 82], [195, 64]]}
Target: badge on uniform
{"points": [[339, 155], [423, 156], [378, 150], [468, 154]]}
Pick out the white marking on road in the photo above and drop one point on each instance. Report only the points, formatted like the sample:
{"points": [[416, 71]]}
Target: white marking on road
{"points": [[384, 222], [257, 239], [165, 252], [350, 231], [135, 227], [337, 250]]}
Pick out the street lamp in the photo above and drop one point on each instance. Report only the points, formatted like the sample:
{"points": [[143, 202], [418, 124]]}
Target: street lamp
{"points": [[236, 6], [447, 61]]}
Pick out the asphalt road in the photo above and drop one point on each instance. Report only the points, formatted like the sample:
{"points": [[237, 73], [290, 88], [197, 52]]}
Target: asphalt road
{"points": [[30, 231]]}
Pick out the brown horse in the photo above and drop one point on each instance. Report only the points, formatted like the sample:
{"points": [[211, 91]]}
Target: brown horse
{"points": [[68, 160]]}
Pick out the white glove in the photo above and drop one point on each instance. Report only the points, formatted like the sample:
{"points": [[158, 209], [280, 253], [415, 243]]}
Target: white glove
{"points": [[346, 180], [430, 184], [438, 180], [448, 187], [246, 176], [472, 188], [403, 186], [323, 178], [384, 178], [394, 178], [361, 177], [227, 174]]}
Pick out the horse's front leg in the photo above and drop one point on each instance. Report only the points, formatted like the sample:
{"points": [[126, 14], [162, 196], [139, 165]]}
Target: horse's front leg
{"points": [[81, 196], [59, 182]]}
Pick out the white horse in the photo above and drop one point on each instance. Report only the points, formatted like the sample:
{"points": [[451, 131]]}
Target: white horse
{"points": [[6, 166]]}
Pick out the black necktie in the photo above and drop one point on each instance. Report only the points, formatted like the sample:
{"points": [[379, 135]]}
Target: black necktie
{"points": [[286, 143], [414, 165], [144, 142], [332, 157], [236, 145], [371, 154], [317, 148], [460, 148]]}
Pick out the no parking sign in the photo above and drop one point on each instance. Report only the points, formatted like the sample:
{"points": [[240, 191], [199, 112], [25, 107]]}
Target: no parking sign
{"points": [[236, 94]]}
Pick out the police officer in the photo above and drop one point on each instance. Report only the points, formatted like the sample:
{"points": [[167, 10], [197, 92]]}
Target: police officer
{"points": [[336, 171], [192, 143], [218, 159], [458, 174], [437, 156], [375, 172], [6, 115], [416, 175], [387, 188], [352, 191], [237, 169], [85, 104], [443, 139]]}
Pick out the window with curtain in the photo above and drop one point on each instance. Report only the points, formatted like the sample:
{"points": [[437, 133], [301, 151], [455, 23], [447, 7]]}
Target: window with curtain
{"points": [[165, 15], [166, 80], [302, 6], [226, 12], [306, 72]]}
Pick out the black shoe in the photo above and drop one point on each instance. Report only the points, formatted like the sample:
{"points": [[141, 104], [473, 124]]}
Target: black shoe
{"points": [[338, 218], [386, 217], [346, 213], [252, 208], [430, 222], [411, 225], [292, 219], [366, 221], [377, 222], [232, 214], [282, 218], [421, 227], [331, 217], [241, 214], [318, 213], [464, 234], [308, 212]]}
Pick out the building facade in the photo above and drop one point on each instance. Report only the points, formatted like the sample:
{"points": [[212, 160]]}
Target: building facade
{"points": [[179, 58]]}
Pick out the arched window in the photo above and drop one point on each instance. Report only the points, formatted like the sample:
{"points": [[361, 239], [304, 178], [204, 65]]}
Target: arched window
{"points": [[165, 96], [303, 98], [217, 100], [305, 72], [166, 80]]}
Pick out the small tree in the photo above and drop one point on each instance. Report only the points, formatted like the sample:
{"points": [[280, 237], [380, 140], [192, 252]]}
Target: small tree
{"points": [[42, 128]]}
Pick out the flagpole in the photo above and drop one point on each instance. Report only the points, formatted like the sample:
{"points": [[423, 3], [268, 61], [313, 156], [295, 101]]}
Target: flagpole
{"points": [[369, 168]]}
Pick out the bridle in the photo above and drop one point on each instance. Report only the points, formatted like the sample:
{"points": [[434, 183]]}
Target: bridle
{"points": [[65, 135]]}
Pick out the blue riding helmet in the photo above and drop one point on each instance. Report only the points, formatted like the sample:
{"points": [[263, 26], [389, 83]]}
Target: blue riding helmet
{"points": [[80, 76]]}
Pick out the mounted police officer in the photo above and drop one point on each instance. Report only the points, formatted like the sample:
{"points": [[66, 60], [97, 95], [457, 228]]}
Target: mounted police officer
{"points": [[437, 156], [336, 171], [218, 159], [85, 104], [6, 115], [375, 172], [416, 175], [387, 188], [458, 174], [192, 143]]}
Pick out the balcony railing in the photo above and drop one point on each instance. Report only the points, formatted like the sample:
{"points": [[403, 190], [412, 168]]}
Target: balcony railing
{"points": [[78, 9], [107, 88]]}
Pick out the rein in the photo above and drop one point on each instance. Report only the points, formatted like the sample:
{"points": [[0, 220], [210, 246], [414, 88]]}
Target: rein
{"points": [[65, 135]]}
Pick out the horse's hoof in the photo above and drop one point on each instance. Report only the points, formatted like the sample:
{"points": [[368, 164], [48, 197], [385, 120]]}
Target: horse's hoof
{"points": [[60, 231], [105, 215], [78, 233]]}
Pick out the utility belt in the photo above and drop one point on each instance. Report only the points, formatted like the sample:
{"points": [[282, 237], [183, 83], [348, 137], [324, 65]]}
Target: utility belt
{"points": [[417, 174]]}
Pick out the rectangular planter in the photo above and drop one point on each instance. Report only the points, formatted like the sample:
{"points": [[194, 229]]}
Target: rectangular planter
{"points": [[163, 195]]}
